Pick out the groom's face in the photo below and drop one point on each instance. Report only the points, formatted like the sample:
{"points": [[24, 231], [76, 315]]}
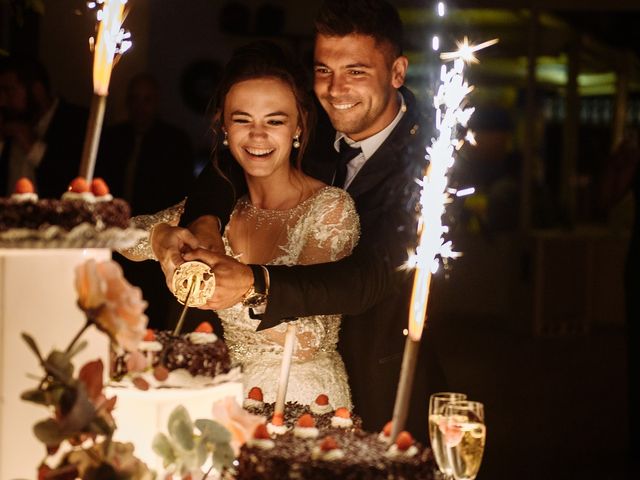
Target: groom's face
{"points": [[355, 80]]}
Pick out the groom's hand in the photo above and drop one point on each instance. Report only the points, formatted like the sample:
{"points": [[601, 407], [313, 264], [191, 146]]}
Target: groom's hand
{"points": [[168, 244], [233, 278]]}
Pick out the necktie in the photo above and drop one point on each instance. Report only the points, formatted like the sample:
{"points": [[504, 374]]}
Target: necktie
{"points": [[346, 154]]}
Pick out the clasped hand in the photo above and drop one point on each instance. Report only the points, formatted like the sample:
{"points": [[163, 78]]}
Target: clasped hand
{"points": [[202, 241]]}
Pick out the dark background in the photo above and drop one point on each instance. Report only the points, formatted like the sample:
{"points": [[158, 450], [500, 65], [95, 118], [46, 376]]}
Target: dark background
{"points": [[530, 320]]}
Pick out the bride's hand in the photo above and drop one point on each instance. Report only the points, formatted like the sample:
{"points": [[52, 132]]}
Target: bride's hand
{"points": [[169, 244], [233, 278]]}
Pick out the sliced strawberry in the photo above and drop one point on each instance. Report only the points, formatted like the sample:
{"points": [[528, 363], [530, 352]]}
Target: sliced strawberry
{"points": [[261, 432], [204, 327], [149, 336], [328, 443], [342, 413], [99, 187], [140, 383], [322, 399], [161, 373], [404, 440], [306, 421], [255, 394], [24, 185], [79, 185], [277, 419]]}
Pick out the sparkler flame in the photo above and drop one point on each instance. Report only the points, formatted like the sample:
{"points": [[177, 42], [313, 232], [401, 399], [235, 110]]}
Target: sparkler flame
{"points": [[449, 104], [111, 39]]}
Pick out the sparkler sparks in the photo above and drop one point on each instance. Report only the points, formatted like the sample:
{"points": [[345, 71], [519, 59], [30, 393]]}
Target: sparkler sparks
{"points": [[466, 51]]}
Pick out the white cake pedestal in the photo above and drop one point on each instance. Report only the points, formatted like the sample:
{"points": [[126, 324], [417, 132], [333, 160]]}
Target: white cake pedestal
{"points": [[37, 296]]}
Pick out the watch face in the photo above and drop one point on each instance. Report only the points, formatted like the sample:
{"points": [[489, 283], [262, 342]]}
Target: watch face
{"points": [[255, 300]]}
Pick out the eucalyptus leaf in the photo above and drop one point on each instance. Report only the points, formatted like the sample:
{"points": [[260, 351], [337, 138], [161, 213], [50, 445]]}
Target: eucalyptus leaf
{"points": [[213, 431], [202, 451], [223, 456], [162, 446], [35, 396], [32, 345], [49, 432], [181, 428], [77, 348], [181, 432], [81, 414], [59, 365]]}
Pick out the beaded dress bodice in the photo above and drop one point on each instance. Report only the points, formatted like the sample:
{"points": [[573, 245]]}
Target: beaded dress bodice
{"points": [[322, 228]]}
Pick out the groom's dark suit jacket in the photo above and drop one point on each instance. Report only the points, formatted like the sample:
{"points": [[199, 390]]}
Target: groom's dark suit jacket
{"points": [[366, 287]]}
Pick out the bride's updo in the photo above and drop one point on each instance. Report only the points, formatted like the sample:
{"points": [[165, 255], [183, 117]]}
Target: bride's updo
{"points": [[265, 59]]}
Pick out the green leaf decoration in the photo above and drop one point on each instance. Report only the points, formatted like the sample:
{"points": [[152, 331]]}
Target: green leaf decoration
{"points": [[213, 432], [59, 365], [181, 428], [49, 432], [77, 348], [202, 451], [32, 345], [162, 446], [81, 414], [35, 396], [223, 456], [182, 433]]}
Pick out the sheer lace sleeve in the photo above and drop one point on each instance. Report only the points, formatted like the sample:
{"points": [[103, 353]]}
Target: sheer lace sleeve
{"points": [[333, 230], [142, 250]]}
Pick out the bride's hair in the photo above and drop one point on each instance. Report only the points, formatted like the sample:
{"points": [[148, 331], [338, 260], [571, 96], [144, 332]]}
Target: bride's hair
{"points": [[265, 60]]}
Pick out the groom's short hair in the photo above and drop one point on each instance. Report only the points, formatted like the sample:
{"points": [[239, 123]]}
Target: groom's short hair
{"points": [[376, 18]]}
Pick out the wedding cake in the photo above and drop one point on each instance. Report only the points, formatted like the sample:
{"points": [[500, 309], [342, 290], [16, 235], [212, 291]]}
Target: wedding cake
{"points": [[192, 370], [86, 215], [312, 453]]}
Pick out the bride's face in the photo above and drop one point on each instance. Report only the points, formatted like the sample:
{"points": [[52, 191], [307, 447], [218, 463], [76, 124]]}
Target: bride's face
{"points": [[261, 119]]}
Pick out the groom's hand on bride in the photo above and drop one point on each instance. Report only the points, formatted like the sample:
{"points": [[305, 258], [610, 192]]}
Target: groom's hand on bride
{"points": [[233, 278]]}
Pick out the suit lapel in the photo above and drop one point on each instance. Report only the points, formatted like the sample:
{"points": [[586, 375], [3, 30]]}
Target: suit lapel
{"points": [[389, 157]]}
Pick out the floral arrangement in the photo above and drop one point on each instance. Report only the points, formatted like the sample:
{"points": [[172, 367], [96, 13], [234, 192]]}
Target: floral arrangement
{"points": [[81, 420], [79, 431]]}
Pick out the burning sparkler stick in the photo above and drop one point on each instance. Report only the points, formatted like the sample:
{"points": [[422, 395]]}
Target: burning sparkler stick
{"points": [[449, 104], [111, 40]]}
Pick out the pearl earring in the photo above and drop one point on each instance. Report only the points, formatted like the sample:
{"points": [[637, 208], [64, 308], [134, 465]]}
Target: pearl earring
{"points": [[296, 141], [225, 141]]}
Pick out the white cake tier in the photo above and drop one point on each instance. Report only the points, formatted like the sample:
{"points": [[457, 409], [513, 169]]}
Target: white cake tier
{"points": [[37, 296], [141, 414]]}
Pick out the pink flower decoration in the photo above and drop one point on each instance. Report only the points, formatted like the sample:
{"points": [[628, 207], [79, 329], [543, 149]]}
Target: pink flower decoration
{"points": [[452, 432], [115, 306], [237, 420]]}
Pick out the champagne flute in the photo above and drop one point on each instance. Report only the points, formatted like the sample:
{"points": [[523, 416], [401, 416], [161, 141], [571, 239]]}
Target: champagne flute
{"points": [[464, 436], [437, 404]]}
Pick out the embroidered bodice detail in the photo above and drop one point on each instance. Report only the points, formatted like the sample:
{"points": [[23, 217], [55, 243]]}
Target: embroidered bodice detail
{"points": [[322, 228]]}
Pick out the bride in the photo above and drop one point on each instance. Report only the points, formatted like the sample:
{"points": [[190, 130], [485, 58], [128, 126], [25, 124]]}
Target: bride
{"points": [[262, 123]]}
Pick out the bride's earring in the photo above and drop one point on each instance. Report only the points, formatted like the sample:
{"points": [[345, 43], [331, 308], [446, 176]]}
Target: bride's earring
{"points": [[225, 140], [296, 141]]}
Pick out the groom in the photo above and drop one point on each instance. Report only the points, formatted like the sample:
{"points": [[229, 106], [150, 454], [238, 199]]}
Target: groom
{"points": [[375, 151]]}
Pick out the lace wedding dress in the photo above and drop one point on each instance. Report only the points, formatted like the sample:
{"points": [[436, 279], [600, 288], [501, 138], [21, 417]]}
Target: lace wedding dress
{"points": [[322, 228]]}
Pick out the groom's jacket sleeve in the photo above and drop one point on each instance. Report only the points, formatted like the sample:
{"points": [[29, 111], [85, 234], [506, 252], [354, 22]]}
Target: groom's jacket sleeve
{"points": [[356, 283]]}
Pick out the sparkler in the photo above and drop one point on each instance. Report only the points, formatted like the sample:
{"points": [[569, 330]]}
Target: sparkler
{"points": [[451, 112], [110, 41]]}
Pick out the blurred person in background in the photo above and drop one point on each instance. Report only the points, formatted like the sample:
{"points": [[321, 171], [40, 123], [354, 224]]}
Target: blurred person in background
{"points": [[42, 134], [148, 162]]}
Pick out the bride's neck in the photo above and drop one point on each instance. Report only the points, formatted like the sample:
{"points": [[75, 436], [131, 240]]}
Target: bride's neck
{"points": [[277, 193]]}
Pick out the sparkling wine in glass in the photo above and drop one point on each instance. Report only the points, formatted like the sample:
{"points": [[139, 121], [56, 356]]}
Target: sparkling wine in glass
{"points": [[437, 404], [464, 436]]}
